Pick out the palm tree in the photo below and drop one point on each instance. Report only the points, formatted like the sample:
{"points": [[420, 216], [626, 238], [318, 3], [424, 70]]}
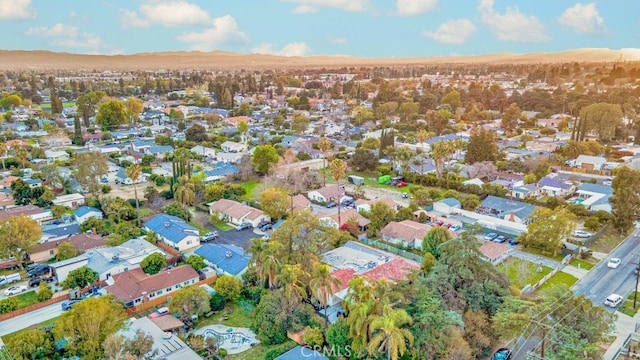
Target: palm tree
{"points": [[291, 282], [3, 153], [184, 192], [338, 169], [133, 172], [322, 284], [358, 306], [21, 155], [389, 333], [324, 145], [422, 136], [270, 269]]}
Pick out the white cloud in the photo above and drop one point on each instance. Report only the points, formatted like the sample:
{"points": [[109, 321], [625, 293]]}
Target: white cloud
{"points": [[14, 10], [309, 6], [452, 32], [223, 30], [291, 49], [86, 41], [414, 7], [167, 13], [584, 19], [512, 25], [338, 40], [73, 14], [56, 30]]}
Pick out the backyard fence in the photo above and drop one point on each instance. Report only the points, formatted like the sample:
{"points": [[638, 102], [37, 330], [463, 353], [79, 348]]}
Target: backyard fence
{"points": [[531, 288], [392, 249]]}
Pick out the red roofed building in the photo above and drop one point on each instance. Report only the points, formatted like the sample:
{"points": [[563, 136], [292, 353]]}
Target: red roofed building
{"points": [[134, 287], [493, 252], [396, 269]]}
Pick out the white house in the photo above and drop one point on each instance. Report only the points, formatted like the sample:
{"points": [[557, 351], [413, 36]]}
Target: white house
{"points": [[328, 193], [589, 162], [406, 232], [56, 155], [70, 200], [232, 147], [237, 213], [173, 231], [205, 152], [85, 213]]}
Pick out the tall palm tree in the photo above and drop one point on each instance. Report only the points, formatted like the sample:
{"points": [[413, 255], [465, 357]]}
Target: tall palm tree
{"points": [[21, 155], [389, 333], [439, 151], [270, 269], [422, 136], [358, 306], [322, 284], [184, 192], [324, 145], [338, 169], [133, 172], [3, 153]]}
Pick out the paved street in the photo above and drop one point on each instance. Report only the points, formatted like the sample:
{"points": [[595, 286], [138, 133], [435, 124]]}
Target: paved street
{"points": [[29, 319], [602, 281]]}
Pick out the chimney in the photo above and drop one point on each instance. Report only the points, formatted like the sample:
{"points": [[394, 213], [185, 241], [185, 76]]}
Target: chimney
{"points": [[512, 217], [93, 231]]}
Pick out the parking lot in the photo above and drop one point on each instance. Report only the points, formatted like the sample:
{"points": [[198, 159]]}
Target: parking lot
{"points": [[239, 238]]}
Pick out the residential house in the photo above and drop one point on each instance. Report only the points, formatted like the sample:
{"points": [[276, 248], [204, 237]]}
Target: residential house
{"points": [[588, 162], [82, 242], [70, 200], [494, 253], [85, 213], [549, 186], [226, 259], [205, 152], [474, 181], [363, 205], [159, 151], [165, 345], [289, 141], [328, 193], [135, 287], [233, 147], [446, 205], [594, 197], [229, 157], [57, 232], [56, 155], [220, 171], [33, 183], [35, 213], [340, 219], [300, 202], [108, 261], [5, 183], [237, 213], [524, 191], [173, 231], [406, 233], [511, 210]]}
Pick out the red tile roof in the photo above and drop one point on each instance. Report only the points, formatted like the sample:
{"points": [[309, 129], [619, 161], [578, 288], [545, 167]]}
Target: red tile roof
{"points": [[493, 250], [133, 284], [343, 276], [396, 269]]}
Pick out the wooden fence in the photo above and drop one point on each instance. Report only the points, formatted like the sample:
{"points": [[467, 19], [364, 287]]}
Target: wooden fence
{"points": [[62, 297], [531, 288]]}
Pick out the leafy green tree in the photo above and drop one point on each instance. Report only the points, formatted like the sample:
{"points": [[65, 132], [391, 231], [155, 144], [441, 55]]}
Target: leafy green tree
{"points": [[184, 193], [436, 236], [625, 202], [229, 287], [196, 262], [44, 292], [603, 118], [9, 304], [482, 146], [90, 167], [80, 277], [379, 215], [217, 302], [190, 300], [364, 160], [111, 114], [133, 172], [338, 169], [337, 337], [118, 210], [20, 235], [21, 191], [510, 117], [66, 250], [139, 347], [87, 325], [299, 123], [313, 337], [87, 104], [322, 286], [264, 157], [133, 107], [452, 98], [275, 203], [197, 133], [390, 334], [324, 145], [548, 229], [152, 264], [30, 344]]}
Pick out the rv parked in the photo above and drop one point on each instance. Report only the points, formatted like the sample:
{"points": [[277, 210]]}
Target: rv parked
{"points": [[9, 279]]}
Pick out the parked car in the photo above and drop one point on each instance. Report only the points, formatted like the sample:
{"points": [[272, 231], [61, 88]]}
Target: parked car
{"points": [[263, 223], [500, 239], [582, 234], [490, 236], [33, 282], [244, 226], [447, 225], [266, 227], [348, 203], [160, 312], [455, 227], [401, 184], [38, 270], [614, 300], [405, 195], [15, 290], [502, 354], [68, 304], [209, 236], [438, 223], [331, 204], [614, 263], [513, 242]]}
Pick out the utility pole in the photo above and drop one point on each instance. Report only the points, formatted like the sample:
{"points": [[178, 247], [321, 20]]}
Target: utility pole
{"points": [[637, 270]]}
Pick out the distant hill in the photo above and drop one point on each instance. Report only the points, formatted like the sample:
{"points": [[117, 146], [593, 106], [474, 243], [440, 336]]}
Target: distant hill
{"points": [[47, 60]]}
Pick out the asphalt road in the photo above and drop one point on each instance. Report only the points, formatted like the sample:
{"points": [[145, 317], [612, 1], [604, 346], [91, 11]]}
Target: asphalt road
{"points": [[601, 281], [30, 318]]}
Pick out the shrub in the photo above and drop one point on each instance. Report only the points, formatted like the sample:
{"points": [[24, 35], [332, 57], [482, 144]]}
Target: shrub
{"points": [[217, 302], [8, 305], [592, 223], [222, 352]]}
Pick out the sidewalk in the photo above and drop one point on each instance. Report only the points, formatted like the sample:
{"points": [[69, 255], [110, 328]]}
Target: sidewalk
{"points": [[624, 326], [536, 259], [575, 271]]}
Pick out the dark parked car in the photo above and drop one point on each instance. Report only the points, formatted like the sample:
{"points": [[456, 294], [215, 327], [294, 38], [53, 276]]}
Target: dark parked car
{"points": [[266, 226], [33, 282], [244, 226], [68, 304], [331, 204], [263, 223], [38, 270]]}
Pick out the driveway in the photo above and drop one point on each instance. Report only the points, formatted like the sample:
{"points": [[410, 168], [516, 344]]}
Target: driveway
{"points": [[240, 238], [602, 281]]}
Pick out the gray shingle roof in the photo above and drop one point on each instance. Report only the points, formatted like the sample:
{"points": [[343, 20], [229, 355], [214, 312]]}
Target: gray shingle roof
{"points": [[504, 207]]}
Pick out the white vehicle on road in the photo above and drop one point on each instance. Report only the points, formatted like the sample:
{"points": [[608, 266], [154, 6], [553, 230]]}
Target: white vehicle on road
{"points": [[15, 290], [614, 300], [614, 263]]}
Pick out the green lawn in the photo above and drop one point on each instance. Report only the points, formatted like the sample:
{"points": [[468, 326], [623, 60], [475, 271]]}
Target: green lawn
{"points": [[26, 299], [583, 264], [258, 351], [521, 272], [203, 230], [627, 306], [249, 186], [557, 279], [221, 225]]}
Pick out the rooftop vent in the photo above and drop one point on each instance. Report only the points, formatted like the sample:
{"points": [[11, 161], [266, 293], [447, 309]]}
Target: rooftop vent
{"points": [[167, 224], [228, 254]]}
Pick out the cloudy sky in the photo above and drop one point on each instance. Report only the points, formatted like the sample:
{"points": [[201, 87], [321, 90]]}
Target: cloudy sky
{"points": [[364, 28]]}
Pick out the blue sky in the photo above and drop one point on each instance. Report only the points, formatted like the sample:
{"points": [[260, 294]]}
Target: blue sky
{"points": [[363, 28]]}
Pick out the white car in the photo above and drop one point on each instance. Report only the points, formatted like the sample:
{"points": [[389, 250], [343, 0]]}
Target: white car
{"points": [[16, 290], [614, 263], [614, 300], [582, 234]]}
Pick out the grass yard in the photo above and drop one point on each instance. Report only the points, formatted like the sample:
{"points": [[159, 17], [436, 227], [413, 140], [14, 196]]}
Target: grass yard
{"points": [[203, 230], [583, 264], [258, 352], [607, 241], [26, 299], [521, 272], [221, 225], [587, 263], [627, 305], [240, 316], [249, 187], [557, 279]]}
